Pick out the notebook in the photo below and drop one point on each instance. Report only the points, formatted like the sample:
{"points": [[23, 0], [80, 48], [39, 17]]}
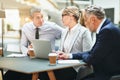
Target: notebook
{"points": [[41, 48]]}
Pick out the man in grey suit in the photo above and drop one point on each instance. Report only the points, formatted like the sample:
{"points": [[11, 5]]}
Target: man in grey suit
{"points": [[105, 54]]}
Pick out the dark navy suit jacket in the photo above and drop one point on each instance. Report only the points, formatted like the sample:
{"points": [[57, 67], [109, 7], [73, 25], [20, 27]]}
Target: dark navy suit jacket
{"points": [[105, 54]]}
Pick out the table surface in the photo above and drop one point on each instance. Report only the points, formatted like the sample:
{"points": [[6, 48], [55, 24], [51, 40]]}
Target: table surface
{"points": [[28, 66]]}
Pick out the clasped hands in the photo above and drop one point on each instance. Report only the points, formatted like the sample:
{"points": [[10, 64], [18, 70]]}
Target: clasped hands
{"points": [[62, 55]]}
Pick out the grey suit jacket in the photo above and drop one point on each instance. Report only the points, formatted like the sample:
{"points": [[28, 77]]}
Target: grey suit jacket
{"points": [[81, 41]]}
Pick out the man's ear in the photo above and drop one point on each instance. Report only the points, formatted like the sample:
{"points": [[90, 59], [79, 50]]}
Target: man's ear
{"points": [[93, 19]]}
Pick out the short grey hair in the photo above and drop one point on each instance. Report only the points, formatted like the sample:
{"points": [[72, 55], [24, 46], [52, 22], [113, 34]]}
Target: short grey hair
{"points": [[35, 9], [96, 10]]}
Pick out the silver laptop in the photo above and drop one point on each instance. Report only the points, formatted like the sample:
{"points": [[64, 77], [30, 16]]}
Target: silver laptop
{"points": [[41, 48]]}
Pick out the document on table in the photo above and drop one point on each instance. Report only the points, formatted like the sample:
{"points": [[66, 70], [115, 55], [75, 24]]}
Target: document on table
{"points": [[68, 61], [13, 48], [15, 55]]}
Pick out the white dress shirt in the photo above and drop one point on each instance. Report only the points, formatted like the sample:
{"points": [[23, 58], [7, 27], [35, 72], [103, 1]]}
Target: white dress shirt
{"points": [[48, 31], [98, 29], [69, 37]]}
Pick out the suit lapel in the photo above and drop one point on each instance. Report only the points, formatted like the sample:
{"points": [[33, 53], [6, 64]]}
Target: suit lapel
{"points": [[63, 39], [105, 23], [73, 41]]}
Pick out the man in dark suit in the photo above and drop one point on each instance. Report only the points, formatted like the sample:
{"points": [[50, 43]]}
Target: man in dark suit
{"points": [[105, 54]]}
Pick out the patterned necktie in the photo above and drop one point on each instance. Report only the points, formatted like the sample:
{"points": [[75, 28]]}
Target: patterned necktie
{"points": [[37, 33]]}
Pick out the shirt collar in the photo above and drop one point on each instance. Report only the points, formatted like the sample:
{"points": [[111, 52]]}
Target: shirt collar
{"points": [[74, 28], [34, 27], [98, 29]]}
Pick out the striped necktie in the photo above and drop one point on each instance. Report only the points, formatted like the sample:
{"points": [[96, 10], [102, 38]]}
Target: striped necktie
{"points": [[37, 33]]}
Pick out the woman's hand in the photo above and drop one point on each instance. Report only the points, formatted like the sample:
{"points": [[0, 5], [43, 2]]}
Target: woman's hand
{"points": [[62, 55]]}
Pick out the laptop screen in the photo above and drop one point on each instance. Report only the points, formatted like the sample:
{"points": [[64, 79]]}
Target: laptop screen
{"points": [[41, 48]]}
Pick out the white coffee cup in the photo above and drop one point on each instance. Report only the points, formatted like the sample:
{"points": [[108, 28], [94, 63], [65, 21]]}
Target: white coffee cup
{"points": [[52, 58]]}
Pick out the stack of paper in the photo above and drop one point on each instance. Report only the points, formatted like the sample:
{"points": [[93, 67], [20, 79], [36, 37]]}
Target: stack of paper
{"points": [[16, 55], [68, 61]]}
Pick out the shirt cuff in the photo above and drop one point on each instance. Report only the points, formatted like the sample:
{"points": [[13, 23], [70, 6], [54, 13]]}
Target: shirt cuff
{"points": [[70, 56]]}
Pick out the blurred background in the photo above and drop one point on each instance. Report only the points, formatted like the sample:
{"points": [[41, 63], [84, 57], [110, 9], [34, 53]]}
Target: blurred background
{"points": [[17, 14]]}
